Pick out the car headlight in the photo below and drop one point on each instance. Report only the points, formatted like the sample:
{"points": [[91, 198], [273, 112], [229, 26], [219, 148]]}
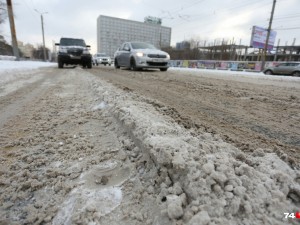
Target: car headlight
{"points": [[168, 56], [63, 50], [140, 54], [86, 51]]}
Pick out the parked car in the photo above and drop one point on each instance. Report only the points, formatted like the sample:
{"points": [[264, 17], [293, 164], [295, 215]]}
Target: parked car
{"points": [[102, 58], [140, 55], [73, 51], [289, 68], [93, 60]]}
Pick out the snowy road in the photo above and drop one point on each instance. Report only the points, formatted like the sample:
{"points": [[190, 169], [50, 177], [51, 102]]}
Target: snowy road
{"points": [[114, 147], [250, 111]]}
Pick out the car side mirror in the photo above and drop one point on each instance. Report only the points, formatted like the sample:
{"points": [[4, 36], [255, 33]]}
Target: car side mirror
{"points": [[88, 46], [57, 44]]}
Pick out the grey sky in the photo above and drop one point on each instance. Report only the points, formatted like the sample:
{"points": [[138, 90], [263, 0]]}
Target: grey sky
{"points": [[200, 19]]}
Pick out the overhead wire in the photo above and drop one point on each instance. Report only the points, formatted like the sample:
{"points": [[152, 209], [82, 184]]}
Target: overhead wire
{"points": [[290, 28], [209, 23], [288, 16], [219, 12], [182, 8], [31, 10]]}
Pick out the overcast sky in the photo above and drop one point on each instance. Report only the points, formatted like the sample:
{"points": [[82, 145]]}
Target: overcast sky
{"points": [[205, 20]]}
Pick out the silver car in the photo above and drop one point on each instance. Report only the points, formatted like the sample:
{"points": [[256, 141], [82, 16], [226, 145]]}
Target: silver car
{"points": [[289, 68], [102, 58], [139, 55]]}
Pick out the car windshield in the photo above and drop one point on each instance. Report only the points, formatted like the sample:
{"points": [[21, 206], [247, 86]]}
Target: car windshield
{"points": [[141, 45], [72, 42]]}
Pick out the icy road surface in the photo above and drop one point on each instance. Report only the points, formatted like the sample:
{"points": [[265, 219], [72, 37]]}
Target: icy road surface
{"points": [[106, 146]]}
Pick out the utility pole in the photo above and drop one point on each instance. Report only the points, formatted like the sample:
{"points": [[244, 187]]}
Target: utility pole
{"points": [[268, 36], [13, 30], [42, 21]]}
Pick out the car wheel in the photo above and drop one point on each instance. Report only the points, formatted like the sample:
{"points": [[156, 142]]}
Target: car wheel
{"points": [[296, 74], [89, 65], [268, 72], [116, 64], [60, 64], [163, 69], [133, 64]]}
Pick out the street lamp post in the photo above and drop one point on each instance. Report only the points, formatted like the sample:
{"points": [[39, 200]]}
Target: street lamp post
{"points": [[13, 30], [42, 21]]}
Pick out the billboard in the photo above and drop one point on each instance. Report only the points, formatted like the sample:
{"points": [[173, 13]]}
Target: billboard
{"points": [[259, 36]]}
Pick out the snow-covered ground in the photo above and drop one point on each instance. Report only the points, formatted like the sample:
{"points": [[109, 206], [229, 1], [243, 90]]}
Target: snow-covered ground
{"points": [[171, 162], [9, 66], [16, 74]]}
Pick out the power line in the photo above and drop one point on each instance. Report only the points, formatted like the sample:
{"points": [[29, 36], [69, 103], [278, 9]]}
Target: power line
{"points": [[221, 12], [182, 8], [31, 10], [287, 17], [209, 24], [290, 28], [186, 6]]}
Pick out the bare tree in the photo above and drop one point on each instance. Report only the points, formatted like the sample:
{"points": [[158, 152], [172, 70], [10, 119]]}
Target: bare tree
{"points": [[38, 53]]}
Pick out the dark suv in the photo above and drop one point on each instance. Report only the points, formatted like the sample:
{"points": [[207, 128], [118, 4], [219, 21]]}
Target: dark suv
{"points": [[73, 51]]}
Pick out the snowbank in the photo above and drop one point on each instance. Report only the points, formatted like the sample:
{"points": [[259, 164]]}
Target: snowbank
{"points": [[21, 71], [8, 65], [196, 71], [199, 178]]}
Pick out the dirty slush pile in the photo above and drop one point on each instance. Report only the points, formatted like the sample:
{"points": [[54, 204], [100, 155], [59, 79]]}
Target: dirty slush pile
{"points": [[86, 152]]}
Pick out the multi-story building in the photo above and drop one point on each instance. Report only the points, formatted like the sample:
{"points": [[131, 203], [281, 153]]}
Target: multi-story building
{"points": [[112, 32]]}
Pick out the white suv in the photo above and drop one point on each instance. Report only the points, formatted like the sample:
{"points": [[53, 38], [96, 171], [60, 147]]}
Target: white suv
{"points": [[102, 58]]}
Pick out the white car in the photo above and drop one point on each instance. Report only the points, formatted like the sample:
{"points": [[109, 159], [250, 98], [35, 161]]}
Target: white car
{"points": [[140, 55], [102, 58]]}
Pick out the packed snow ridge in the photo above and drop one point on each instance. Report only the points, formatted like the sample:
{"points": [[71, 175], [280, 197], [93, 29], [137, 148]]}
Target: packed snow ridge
{"points": [[199, 178]]}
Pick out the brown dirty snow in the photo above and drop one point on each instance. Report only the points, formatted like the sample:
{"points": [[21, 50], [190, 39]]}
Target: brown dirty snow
{"points": [[106, 146], [249, 112]]}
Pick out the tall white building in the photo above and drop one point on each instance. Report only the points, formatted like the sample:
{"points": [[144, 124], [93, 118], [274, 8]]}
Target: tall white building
{"points": [[112, 32]]}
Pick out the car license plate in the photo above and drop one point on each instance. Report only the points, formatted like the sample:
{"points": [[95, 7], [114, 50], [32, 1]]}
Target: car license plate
{"points": [[74, 57], [157, 60]]}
